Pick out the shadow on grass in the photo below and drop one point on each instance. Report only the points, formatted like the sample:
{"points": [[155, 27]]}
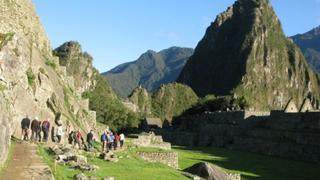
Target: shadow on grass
{"points": [[251, 166]]}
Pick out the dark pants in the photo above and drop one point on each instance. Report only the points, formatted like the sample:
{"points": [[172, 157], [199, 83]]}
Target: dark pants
{"points": [[39, 136], [90, 145], [45, 135], [121, 143], [59, 138]]}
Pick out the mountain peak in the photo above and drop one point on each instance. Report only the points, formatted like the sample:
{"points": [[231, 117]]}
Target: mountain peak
{"points": [[245, 53]]}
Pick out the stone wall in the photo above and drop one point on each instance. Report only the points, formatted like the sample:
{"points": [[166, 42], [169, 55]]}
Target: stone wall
{"points": [[288, 135], [167, 158], [151, 140]]}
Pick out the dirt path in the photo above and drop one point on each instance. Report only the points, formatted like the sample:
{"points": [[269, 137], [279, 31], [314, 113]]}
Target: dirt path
{"points": [[26, 164]]}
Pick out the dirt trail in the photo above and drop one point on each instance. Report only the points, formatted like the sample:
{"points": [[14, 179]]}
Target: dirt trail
{"points": [[26, 164]]}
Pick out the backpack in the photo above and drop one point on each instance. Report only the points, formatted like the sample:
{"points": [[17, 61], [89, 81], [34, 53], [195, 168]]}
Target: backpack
{"points": [[103, 137]]}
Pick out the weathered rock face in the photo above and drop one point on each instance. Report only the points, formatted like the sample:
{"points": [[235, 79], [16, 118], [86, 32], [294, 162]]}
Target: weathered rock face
{"points": [[150, 70], [78, 64], [245, 53], [142, 99], [32, 83]]}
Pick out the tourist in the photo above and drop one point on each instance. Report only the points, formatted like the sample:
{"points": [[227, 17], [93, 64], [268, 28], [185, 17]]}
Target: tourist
{"points": [[116, 141], [122, 138], [104, 141], [71, 136], [59, 132], [38, 131], [78, 139], [90, 140], [110, 138], [25, 125], [34, 128], [45, 129]]}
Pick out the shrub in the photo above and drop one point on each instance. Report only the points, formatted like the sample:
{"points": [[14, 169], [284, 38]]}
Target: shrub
{"points": [[5, 38], [50, 63], [31, 77]]}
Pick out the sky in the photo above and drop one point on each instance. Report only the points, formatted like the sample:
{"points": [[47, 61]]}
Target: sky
{"points": [[114, 31]]}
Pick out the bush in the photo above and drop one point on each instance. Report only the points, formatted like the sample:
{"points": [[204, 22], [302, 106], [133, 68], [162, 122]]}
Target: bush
{"points": [[31, 77], [5, 38], [50, 63]]}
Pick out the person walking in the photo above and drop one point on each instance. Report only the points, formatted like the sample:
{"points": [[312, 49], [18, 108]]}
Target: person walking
{"points": [[90, 140], [38, 131], [34, 125], [110, 140], [78, 139], [59, 133], [122, 139], [104, 141], [116, 140], [25, 125], [45, 129]]}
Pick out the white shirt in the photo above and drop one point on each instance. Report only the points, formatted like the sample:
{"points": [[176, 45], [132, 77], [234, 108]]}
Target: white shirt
{"points": [[60, 131], [121, 137]]}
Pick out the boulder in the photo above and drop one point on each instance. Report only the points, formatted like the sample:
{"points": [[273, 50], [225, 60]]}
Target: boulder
{"points": [[86, 167], [109, 156], [210, 172], [80, 177]]}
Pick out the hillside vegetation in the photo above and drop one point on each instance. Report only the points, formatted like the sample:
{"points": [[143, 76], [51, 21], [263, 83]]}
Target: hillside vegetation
{"points": [[150, 70]]}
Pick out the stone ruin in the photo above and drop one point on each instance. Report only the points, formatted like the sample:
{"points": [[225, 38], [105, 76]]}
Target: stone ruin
{"points": [[151, 140], [67, 155], [167, 158]]}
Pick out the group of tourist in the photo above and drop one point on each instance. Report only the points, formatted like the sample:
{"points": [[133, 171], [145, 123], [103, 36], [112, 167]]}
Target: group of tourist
{"points": [[37, 127], [110, 140]]}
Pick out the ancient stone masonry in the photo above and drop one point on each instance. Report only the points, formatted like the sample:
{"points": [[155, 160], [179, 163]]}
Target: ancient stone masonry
{"points": [[168, 158], [151, 140], [288, 135]]}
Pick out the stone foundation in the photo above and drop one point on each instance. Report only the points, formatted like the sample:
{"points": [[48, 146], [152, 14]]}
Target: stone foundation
{"points": [[167, 158]]}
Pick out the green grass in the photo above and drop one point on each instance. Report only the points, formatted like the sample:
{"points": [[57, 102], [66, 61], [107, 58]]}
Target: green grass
{"points": [[129, 167], [50, 63], [9, 157], [3, 87], [5, 38], [250, 166]]}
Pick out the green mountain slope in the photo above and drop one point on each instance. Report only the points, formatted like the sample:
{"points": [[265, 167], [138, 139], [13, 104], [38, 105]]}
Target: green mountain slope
{"points": [[150, 70], [245, 53], [309, 43]]}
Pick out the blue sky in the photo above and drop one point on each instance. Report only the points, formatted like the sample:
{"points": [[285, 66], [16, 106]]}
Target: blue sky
{"points": [[114, 31]]}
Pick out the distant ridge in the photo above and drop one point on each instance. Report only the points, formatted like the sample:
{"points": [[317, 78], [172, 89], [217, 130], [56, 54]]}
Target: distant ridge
{"points": [[150, 70]]}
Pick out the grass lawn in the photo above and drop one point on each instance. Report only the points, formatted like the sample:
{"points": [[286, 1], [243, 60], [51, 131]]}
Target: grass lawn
{"points": [[250, 166], [129, 167]]}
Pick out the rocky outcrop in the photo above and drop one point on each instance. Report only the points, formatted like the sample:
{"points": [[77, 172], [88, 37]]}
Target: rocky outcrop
{"points": [[142, 99], [245, 53], [211, 172], [78, 65], [32, 82], [167, 102], [150, 70]]}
